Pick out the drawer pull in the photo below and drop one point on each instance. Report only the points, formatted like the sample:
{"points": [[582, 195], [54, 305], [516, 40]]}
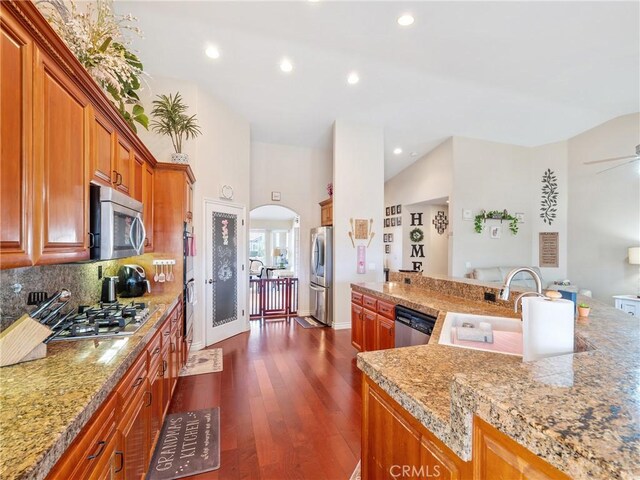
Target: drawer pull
{"points": [[173, 347], [164, 368], [101, 445], [137, 383], [150, 398], [156, 351], [121, 455], [167, 333]]}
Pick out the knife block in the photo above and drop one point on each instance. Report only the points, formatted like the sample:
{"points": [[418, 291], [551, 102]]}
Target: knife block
{"points": [[22, 341]]}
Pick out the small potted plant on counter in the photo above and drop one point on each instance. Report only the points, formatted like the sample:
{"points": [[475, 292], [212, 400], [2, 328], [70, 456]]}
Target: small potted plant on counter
{"points": [[169, 118], [583, 310]]}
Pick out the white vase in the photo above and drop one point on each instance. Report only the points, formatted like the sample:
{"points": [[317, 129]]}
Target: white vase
{"points": [[179, 158]]}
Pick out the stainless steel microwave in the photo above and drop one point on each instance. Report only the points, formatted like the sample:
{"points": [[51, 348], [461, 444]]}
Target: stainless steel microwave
{"points": [[117, 229]]}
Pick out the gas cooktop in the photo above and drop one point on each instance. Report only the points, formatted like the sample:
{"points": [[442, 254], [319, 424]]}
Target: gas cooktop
{"points": [[102, 320]]}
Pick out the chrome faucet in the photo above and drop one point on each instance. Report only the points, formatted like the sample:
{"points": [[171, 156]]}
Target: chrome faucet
{"points": [[506, 288]]}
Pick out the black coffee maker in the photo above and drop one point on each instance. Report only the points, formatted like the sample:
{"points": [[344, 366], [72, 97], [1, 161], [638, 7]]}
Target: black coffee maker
{"points": [[132, 281]]}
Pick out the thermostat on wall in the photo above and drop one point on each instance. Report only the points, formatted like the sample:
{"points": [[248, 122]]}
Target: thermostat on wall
{"points": [[226, 192]]}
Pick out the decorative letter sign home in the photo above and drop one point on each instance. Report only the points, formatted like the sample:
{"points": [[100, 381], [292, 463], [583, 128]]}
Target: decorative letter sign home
{"points": [[416, 236]]}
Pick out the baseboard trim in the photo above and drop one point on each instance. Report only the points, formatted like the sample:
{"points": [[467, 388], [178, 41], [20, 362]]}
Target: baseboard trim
{"points": [[303, 313], [341, 326], [197, 346]]}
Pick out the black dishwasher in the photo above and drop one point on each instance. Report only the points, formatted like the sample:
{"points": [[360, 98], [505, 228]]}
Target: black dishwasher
{"points": [[412, 327]]}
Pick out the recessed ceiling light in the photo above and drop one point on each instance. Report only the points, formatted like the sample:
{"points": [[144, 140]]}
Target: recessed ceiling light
{"points": [[405, 20], [397, 151], [212, 52], [353, 78], [286, 65]]}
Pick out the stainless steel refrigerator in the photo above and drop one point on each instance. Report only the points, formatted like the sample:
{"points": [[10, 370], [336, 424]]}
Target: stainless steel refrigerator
{"points": [[321, 274]]}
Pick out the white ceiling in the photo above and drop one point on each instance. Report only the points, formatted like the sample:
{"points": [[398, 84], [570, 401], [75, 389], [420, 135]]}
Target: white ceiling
{"points": [[525, 73], [272, 212]]}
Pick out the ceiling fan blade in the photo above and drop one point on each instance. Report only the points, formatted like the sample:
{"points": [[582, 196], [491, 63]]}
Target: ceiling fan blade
{"points": [[637, 159], [611, 159]]}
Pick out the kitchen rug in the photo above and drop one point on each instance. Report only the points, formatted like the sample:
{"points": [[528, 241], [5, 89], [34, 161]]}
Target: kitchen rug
{"points": [[203, 361], [189, 444], [308, 322], [356, 473]]}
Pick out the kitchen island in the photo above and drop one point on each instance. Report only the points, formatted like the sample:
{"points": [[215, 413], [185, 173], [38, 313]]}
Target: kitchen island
{"points": [[46, 403], [580, 413]]}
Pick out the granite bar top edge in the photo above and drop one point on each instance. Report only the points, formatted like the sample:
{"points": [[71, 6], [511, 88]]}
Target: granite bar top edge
{"points": [[48, 458]]}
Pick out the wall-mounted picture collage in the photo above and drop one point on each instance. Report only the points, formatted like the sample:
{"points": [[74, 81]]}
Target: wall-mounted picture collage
{"points": [[392, 216]]}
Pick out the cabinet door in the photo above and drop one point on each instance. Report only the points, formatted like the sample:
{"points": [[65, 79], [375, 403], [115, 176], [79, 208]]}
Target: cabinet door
{"points": [[62, 118], [437, 463], [166, 379], [369, 330], [134, 438], [385, 333], [356, 326], [495, 455], [147, 203], [389, 443], [157, 410], [138, 178], [188, 202], [124, 167], [16, 156], [103, 145]]}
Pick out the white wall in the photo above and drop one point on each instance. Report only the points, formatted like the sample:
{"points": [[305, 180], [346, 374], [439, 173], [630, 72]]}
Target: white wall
{"points": [[553, 156], [301, 176], [429, 178], [489, 176], [220, 156], [604, 209], [358, 175]]}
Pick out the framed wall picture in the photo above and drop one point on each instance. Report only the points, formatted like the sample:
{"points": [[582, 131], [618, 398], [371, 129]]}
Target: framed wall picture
{"points": [[393, 210], [519, 216], [385, 238], [399, 221], [390, 237], [275, 196], [387, 222], [496, 231], [398, 209], [387, 249], [388, 211], [393, 221]]}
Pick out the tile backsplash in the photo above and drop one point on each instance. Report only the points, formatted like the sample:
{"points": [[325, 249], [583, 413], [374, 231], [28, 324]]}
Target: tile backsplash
{"points": [[81, 279]]}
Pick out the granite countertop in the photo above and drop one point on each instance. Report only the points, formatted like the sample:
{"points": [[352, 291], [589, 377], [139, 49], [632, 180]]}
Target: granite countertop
{"points": [[45, 403], [580, 412]]}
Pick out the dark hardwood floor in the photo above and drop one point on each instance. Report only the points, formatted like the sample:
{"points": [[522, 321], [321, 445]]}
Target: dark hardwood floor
{"points": [[289, 402]]}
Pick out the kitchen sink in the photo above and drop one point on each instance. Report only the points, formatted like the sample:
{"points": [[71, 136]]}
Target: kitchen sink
{"points": [[507, 333]]}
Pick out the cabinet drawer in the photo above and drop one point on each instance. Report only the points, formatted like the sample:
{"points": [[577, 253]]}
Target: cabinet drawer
{"points": [[154, 351], [386, 310], [89, 448], [356, 298], [132, 383], [369, 302]]}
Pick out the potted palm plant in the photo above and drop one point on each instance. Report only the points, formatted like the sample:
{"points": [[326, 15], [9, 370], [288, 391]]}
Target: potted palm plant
{"points": [[170, 118]]}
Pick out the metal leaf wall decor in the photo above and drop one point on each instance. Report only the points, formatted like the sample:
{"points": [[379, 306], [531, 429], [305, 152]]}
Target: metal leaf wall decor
{"points": [[549, 202], [440, 222]]}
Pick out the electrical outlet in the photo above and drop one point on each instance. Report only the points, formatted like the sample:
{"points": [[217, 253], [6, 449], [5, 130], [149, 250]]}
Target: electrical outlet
{"points": [[99, 272], [407, 280], [489, 296]]}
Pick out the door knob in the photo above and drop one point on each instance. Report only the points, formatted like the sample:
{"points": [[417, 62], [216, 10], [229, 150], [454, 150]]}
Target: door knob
{"points": [[211, 280]]}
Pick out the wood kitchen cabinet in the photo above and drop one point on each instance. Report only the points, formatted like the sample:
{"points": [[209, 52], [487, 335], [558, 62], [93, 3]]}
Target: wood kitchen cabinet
{"points": [[326, 212], [134, 443], [16, 159], [91, 453], [103, 151], [59, 132], [372, 323], [495, 455], [392, 439], [62, 118], [123, 169]]}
